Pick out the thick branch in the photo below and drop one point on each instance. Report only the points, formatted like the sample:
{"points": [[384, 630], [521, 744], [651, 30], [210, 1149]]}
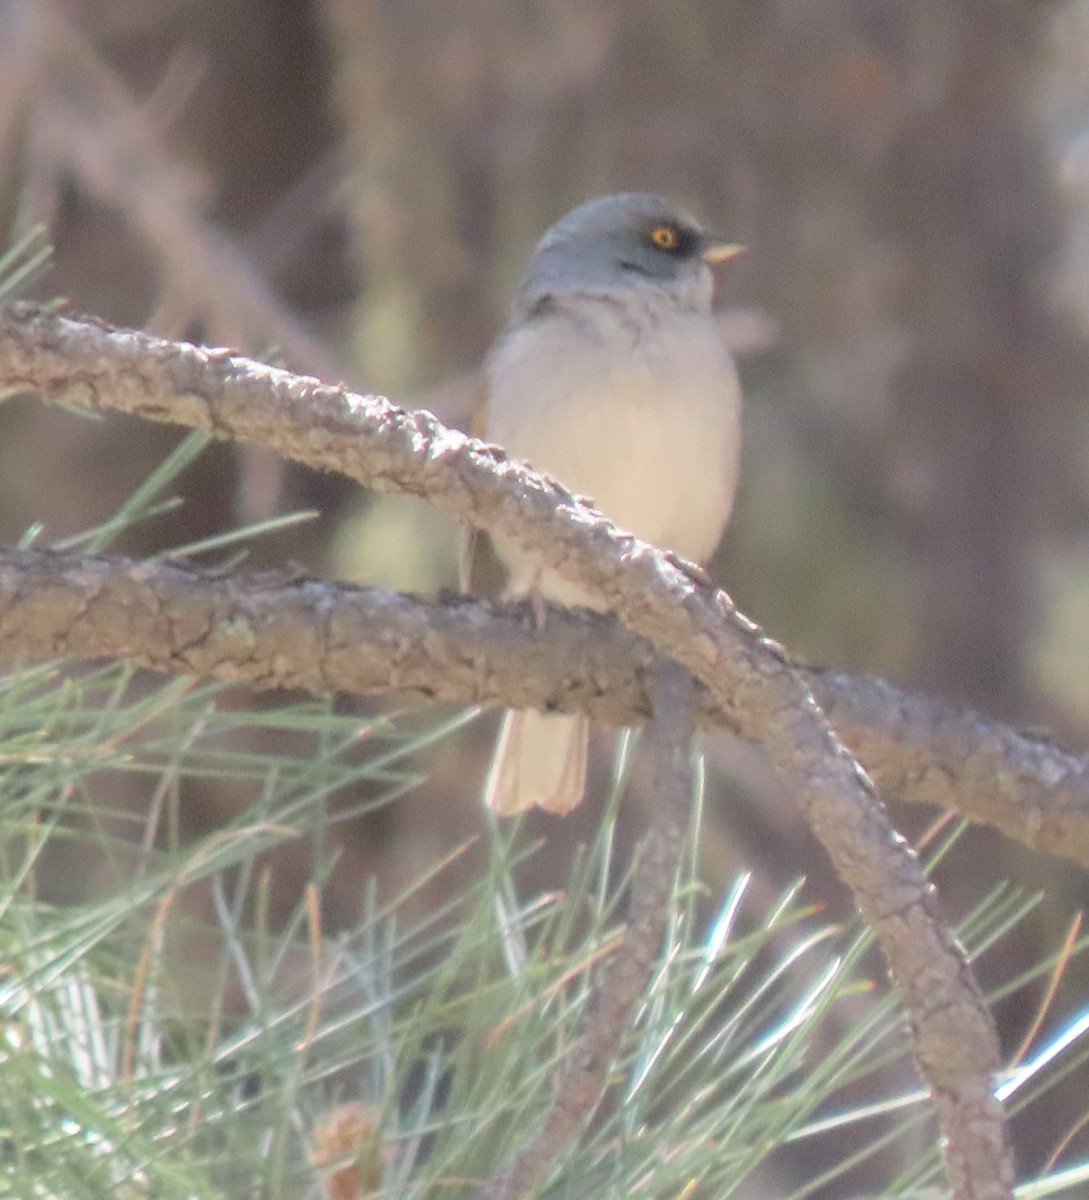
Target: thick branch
{"points": [[277, 630], [387, 448]]}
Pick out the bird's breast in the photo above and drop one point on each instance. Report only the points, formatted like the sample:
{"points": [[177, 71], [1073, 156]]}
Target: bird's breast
{"points": [[642, 419]]}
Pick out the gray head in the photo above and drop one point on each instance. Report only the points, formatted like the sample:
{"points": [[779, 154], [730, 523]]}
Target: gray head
{"points": [[633, 239]]}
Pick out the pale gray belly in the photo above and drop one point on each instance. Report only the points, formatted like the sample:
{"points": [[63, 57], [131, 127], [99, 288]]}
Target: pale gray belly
{"points": [[652, 439]]}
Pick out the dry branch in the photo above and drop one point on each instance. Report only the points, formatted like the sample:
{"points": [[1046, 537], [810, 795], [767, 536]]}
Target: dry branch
{"points": [[382, 446], [582, 1082], [93, 129], [280, 630]]}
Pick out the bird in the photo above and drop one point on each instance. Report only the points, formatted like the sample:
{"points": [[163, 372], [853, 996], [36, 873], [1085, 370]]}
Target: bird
{"points": [[612, 377]]}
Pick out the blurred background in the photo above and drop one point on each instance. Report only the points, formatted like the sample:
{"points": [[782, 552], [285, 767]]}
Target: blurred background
{"points": [[350, 188]]}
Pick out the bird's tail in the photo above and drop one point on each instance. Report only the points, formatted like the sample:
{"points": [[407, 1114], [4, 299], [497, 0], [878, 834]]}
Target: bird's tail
{"points": [[540, 759]]}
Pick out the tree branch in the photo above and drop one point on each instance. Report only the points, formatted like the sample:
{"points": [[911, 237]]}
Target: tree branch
{"points": [[280, 630], [94, 129], [385, 447], [581, 1085]]}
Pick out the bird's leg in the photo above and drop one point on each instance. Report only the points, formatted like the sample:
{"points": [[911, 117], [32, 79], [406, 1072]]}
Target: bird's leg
{"points": [[537, 602]]}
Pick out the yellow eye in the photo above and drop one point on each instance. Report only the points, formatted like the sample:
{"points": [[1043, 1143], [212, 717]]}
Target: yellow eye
{"points": [[665, 237]]}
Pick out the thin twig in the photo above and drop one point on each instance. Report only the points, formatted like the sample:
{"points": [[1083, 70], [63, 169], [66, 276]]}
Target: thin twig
{"points": [[94, 129], [581, 1085]]}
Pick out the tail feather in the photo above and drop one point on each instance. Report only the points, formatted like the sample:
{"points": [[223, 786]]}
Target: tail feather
{"points": [[540, 759]]}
